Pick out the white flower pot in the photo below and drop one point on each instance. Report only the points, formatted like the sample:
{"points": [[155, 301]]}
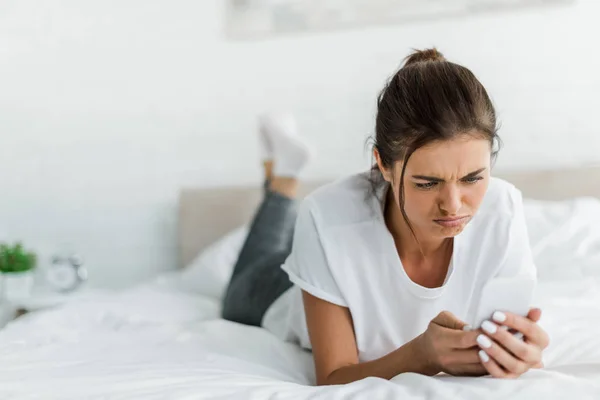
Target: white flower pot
{"points": [[16, 285]]}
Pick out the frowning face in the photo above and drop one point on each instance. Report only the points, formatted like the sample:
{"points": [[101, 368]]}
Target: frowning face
{"points": [[444, 185]]}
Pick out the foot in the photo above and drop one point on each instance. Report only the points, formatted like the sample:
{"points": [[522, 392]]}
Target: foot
{"points": [[290, 156], [274, 124], [290, 153]]}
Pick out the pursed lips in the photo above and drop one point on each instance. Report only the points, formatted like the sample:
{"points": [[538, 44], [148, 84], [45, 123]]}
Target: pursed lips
{"points": [[451, 221]]}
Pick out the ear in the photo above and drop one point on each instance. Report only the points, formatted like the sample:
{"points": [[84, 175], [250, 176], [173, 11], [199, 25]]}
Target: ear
{"points": [[386, 172]]}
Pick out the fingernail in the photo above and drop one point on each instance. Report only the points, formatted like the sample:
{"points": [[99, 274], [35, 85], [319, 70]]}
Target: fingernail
{"points": [[484, 357], [499, 316], [489, 327], [467, 328], [518, 336], [504, 327], [484, 341]]}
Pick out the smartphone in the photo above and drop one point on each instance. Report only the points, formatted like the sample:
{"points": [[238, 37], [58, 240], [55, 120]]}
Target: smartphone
{"points": [[514, 294]]}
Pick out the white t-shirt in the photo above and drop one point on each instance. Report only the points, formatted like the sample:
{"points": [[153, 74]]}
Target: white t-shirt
{"points": [[343, 253]]}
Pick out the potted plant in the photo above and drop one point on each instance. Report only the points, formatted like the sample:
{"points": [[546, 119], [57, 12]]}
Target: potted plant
{"points": [[16, 271]]}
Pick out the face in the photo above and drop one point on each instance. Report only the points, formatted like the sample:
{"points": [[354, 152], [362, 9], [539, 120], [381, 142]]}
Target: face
{"points": [[444, 184]]}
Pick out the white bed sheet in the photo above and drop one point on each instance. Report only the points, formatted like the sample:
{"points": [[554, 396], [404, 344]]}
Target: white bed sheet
{"points": [[155, 341]]}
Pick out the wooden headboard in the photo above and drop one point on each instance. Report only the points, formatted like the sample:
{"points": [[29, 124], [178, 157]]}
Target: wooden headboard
{"points": [[207, 214]]}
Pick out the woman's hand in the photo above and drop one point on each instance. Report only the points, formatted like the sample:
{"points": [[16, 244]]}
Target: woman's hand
{"points": [[446, 347], [505, 356]]}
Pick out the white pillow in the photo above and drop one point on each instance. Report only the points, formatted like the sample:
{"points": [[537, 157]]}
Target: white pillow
{"points": [[565, 237], [210, 271]]}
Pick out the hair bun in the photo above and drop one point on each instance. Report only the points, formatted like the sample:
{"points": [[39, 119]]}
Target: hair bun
{"points": [[418, 56]]}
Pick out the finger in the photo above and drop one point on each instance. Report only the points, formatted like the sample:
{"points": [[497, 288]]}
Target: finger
{"points": [[532, 331], [465, 356], [528, 353], [492, 367], [477, 369], [461, 339], [509, 362], [449, 320], [535, 314]]}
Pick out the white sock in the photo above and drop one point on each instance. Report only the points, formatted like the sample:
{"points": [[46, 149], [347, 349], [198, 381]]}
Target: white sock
{"points": [[290, 153], [274, 123], [265, 146]]}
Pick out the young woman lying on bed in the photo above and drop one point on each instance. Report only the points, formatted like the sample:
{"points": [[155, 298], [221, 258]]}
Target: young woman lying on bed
{"points": [[377, 272]]}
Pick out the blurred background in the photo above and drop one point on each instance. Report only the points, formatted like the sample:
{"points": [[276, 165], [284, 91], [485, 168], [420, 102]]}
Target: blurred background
{"points": [[108, 108]]}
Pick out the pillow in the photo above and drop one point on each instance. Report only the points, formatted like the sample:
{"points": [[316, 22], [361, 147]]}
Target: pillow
{"points": [[208, 274], [564, 237]]}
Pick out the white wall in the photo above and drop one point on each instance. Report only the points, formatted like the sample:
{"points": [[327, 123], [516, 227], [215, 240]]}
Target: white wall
{"points": [[108, 107]]}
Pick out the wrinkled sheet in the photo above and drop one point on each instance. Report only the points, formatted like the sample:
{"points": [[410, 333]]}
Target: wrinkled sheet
{"points": [[156, 341]]}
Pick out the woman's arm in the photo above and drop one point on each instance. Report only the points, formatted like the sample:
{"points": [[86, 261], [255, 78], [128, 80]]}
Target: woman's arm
{"points": [[334, 347], [443, 347]]}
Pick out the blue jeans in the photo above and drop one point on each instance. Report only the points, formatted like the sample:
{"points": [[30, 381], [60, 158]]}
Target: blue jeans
{"points": [[257, 279]]}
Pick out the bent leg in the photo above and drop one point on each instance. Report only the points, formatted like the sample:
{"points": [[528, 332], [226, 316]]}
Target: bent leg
{"points": [[254, 290]]}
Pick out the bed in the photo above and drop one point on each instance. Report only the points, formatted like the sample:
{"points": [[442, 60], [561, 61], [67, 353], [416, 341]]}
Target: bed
{"points": [[164, 339]]}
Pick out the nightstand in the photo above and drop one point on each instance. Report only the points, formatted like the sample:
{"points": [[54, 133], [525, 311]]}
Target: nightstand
{"points": [[42, 299], [12, 310], [8, 312]]}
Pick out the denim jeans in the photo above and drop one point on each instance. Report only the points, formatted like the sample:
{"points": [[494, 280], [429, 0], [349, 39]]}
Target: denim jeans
{"points": [[257, 279]]}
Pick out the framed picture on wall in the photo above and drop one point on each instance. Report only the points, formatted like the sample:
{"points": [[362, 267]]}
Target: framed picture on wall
{"points": [[255, 18]]}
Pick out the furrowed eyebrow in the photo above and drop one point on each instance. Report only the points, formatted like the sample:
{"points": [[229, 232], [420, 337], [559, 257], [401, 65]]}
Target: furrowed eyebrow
{"points": [[472, 174], [435, 179], [427, 178]]}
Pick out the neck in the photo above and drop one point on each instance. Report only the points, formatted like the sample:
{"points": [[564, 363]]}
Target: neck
{"points": [[409, 244]]}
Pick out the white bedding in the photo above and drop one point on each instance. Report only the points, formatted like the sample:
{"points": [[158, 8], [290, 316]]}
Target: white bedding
{"points": [[162, 340], [156, 342]]}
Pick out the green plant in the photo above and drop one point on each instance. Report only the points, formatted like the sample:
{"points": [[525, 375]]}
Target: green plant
{"points": [[14, 258]]}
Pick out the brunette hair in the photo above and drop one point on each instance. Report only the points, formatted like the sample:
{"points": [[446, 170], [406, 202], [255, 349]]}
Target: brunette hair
{"points": [[429, 99]]}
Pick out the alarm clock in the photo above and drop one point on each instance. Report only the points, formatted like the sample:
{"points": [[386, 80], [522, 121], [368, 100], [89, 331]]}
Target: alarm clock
{"points": [[66, 274]]}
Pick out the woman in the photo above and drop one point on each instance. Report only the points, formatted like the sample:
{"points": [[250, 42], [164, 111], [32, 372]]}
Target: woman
{"points": [[385, 266]]}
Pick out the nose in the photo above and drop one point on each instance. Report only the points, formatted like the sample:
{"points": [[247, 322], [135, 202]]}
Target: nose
{"points": [[450, 200]]}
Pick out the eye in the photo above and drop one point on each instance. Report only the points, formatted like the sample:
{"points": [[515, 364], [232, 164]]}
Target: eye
{"points": [[473, 179], [426, 186]]}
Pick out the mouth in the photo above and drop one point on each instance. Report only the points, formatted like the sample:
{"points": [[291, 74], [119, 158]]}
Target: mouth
{"points": [[452, 221]]}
